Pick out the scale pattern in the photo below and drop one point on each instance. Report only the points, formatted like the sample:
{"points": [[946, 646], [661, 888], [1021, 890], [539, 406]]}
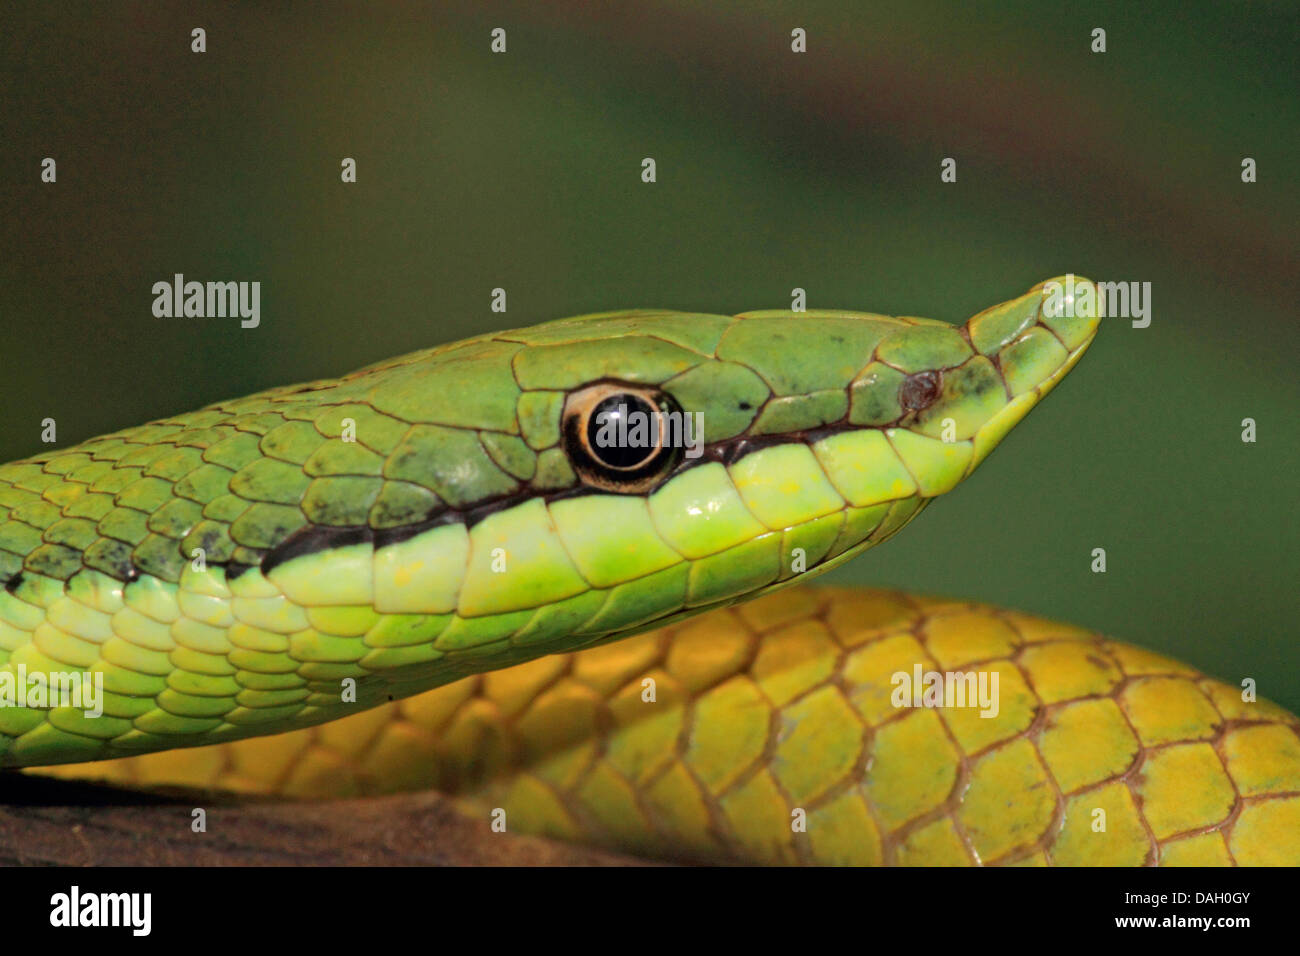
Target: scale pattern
{"points": [[784, 703]]}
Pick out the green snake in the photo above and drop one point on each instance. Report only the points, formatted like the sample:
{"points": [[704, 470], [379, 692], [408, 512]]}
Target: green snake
{"points": [[451, 569]]}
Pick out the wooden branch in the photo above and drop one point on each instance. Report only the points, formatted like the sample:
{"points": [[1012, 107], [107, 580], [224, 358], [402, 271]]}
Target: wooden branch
{"points": [[48, 821]]}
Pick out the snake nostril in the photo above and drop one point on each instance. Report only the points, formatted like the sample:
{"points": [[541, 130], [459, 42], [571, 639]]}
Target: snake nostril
{"points": [[919, 391]]}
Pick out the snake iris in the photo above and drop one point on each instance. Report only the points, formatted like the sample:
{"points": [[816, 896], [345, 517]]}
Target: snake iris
{"points": [[431, 572]]}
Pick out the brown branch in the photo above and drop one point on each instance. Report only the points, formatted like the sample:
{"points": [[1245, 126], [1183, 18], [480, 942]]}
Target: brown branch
{"points": [[46, 821]]}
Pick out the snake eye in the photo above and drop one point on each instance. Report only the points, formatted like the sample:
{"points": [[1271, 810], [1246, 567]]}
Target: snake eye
{"points": [[919, 391], [619, 437]]}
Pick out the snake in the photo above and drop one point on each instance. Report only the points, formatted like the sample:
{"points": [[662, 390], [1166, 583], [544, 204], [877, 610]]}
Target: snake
{"points": [[559, 574]]}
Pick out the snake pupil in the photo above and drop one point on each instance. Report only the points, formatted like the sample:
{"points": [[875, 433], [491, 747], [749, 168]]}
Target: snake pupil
{"points": [[623, 431]]}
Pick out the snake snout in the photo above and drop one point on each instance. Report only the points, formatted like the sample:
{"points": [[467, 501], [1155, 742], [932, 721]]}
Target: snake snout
{"points": [[1052, 325], [1032, 341], [961, 390]]}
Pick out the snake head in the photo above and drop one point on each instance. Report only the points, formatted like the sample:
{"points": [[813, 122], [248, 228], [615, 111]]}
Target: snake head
{"points": [[519, 510]]}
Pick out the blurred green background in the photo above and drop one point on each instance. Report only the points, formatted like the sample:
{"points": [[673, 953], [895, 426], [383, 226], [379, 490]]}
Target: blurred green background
{"points": [[775, 170]]}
